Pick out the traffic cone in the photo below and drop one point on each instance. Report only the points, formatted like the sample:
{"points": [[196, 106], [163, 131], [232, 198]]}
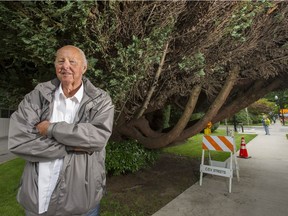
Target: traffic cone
{"points": [[243, 151]]}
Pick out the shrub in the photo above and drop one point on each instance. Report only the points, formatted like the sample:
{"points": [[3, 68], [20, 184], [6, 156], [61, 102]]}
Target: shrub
{"points": [[215, 126], [128, 156]]}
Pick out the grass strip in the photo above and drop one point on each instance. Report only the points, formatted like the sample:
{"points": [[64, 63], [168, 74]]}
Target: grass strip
{"points": [[193, 146]]}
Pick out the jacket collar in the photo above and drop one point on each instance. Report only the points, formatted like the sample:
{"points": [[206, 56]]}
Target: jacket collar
{"points": [[47, 89]]}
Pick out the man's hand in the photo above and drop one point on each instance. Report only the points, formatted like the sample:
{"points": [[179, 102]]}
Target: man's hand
{"points": [[43, 127]]}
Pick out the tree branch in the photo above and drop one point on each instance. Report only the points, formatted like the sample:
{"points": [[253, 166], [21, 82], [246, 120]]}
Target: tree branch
{"points": [[154, 84]]}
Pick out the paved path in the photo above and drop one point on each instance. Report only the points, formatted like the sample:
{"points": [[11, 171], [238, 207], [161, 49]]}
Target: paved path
{"points": [[261, 191], [5, 155]]}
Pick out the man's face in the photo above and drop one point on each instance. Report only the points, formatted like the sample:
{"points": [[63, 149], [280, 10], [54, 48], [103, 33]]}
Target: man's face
{"points": [[69, 65]]}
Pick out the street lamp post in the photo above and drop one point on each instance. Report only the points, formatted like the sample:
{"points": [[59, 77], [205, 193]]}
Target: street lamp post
{"points": [[283, 118], [280, 107]]}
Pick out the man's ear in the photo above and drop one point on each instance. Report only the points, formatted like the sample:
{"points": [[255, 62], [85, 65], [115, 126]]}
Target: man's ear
{"points": [[84, 69]]}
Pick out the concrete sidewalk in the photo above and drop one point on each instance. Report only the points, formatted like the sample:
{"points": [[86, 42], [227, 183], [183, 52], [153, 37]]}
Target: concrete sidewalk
{"points": [[5, 155], [261, 191]]}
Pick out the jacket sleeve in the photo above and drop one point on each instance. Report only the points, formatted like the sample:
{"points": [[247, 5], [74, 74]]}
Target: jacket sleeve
{"points": [[91, 135], [24, 139]]}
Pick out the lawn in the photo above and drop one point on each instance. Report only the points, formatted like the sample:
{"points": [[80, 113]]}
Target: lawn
{"points": [[9, 180]]}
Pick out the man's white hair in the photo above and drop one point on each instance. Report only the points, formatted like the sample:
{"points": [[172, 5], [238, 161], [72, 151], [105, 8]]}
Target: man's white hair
{"points": [[80, 51]]}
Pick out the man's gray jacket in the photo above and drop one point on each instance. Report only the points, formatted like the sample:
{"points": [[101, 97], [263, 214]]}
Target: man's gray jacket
{"points": [[82, 179]]}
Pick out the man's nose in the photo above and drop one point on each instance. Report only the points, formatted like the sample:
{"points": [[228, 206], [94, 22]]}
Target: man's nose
{"points": [[66, 64]]}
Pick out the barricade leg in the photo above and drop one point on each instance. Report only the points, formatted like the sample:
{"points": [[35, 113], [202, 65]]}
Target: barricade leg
{"points": [[236, 167], [210, 160], [236, 162], [231, 175], [202, 163], [230, 184]]}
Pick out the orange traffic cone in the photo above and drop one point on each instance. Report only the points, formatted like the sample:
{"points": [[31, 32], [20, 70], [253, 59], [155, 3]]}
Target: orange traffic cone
{"points": [[243, 151]]}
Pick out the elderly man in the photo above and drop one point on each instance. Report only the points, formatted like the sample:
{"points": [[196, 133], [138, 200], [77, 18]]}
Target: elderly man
{"points": [[61, 129]]}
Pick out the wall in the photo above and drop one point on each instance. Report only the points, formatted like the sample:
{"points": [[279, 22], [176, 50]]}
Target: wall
{"points": [[4, 127]]}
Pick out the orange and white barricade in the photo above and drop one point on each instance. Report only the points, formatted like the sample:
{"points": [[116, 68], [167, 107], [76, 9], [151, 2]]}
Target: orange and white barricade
{"points": [[224, 144]]}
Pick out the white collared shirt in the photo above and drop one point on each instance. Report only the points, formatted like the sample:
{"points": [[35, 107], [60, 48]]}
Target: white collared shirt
{"points": [[64, 109]]}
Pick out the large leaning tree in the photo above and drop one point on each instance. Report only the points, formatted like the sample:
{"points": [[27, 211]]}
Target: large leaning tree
{"points": [[207, 57]]}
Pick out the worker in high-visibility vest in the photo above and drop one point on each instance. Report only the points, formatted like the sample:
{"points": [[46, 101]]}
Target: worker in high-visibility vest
{"points": [[266, 122], [207, 130]]}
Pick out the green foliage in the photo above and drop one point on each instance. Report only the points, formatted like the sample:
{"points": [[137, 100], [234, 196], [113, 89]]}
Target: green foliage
{"points": [[243, 117], [267, 105], [197, 116], [116, 62], [128, 156], [31, 33], [255, 112], [40, 41], [255, 119], [166, 116], [281, 102], [242, 19], [176, 114], [197, 62], [285, 46], [262, 106], [133, 61], [215, 126], [219, 69]]}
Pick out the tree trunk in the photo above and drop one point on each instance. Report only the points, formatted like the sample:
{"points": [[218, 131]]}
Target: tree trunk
{"points": [[257, 91], [138, 128], [214, 108]]}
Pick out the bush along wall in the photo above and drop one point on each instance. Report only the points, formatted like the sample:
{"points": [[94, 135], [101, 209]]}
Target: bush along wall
{"points": [[128, 157]]}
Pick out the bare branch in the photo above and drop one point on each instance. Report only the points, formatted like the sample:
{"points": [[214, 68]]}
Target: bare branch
{"points": [[154, 84]]}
